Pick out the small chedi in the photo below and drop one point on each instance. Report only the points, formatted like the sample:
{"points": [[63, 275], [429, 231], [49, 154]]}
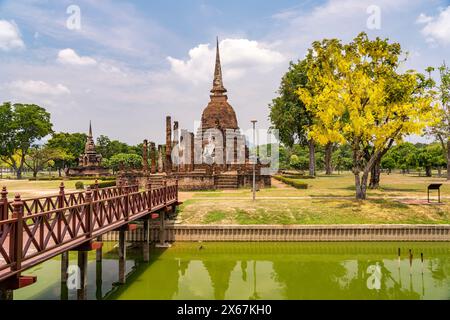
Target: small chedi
{"points": [[89, 163], [215, 157]]}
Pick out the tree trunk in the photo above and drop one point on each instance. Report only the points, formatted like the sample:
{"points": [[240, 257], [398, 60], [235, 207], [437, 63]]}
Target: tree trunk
{"points": [[361, 186], [312, 157], [428, 172], [439, 171], [59, 172], [375, 175], [328, 157], [19, 173], [34, 174]]}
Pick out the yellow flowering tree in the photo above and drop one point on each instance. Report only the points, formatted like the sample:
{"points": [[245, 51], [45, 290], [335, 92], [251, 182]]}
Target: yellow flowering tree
{"points": [[358, 96]]}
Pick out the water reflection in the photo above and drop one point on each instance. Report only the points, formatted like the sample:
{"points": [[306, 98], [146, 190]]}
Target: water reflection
{"points": [[252, 271]]}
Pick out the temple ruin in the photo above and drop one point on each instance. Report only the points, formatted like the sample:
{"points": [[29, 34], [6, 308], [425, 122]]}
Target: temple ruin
{"points": [[90, 162], [215, 157]]}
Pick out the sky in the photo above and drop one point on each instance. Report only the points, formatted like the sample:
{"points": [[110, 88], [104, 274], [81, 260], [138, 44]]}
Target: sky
{"points": [[126, 65]]}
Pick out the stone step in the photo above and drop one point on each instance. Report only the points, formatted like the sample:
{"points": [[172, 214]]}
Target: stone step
{"points": [[226, 187]]}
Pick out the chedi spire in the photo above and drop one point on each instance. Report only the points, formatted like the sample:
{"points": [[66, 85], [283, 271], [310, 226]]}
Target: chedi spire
{"points": [[218, 88]]}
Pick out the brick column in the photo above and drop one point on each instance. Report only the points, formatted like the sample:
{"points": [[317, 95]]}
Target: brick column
{"points": [[160, 159], [168, 163], [153, 157], [145, 156]]}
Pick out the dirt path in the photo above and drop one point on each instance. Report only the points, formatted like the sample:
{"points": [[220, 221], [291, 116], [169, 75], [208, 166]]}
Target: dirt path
{"points": [[280, 185]]}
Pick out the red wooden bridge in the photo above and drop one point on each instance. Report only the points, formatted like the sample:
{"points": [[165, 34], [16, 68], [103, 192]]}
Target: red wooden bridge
{"points": [[35, 230]]}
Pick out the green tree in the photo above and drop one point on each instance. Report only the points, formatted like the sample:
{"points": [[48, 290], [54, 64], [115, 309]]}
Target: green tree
{"points": [[128, 161], [431, 156], [404, 156], [298, 162], [441, 129], [289, 115], [358, 96], [388, 163], [342, 158], [41, 156], [21, 125], [108, 148], [71, 144]]}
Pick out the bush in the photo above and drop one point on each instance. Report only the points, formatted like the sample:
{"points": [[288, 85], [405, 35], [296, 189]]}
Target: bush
{"points": [[292, 182], [105, 184], [109, 178], [79, 185], [44, 179]]}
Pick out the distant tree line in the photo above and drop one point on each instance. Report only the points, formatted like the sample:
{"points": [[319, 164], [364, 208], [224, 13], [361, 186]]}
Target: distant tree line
{"points": [[405, 157], [28, 142]]}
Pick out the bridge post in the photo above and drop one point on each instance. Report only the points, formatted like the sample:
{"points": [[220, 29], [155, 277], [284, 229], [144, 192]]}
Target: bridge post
{"points": [[122, 256], [16, 239], [3, 207], [149, 196], [127, 202], [146, 252], [99, 251], [88, 215], [64, 266], [96, 190], [162, 230], [165, 193], [98, 280], [82, 265], [64, 275], [176, 189], [61, 197]]}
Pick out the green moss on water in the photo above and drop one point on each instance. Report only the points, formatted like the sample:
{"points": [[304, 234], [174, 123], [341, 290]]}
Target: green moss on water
{"points": [[271, 271]]}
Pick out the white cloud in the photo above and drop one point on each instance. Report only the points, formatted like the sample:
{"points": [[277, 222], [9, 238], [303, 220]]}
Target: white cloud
{"points": [[437, 29], [70, 57], [423, 18], [36, 88], [239, 57], [10, 37]]}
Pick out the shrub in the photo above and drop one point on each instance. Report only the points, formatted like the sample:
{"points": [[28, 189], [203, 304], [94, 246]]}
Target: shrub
{"points": [[44, 179], [79, 185], [109, 178], [105, 184], [292, 182]]}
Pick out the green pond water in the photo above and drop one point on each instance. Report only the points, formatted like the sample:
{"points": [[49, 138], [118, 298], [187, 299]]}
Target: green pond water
{"points": [[260, 271]]}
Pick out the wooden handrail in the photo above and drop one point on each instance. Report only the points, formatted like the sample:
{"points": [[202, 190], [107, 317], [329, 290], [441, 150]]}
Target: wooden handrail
{"points": [[26, 240]]}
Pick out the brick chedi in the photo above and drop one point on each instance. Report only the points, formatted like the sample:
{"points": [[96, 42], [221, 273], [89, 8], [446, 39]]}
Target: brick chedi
{"points": [[202, 161], [90, 162], [219, 113]]}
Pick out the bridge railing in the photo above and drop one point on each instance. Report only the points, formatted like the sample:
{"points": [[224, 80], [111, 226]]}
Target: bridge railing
{"points": [[63, 199], [29, 237]]}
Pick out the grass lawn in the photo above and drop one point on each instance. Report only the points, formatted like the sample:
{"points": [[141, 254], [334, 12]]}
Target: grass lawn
{"points": [[31, 189], [328, 200]]}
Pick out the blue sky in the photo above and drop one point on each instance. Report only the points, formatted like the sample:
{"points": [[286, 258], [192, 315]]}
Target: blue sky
{"points": [[133, 62]]}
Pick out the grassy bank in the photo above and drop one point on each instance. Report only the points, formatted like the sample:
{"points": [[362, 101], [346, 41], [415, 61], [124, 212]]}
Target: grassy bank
{"points": [[328, 200]]}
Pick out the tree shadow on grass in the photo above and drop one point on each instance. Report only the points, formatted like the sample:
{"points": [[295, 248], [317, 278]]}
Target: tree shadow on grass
{"points": [[385, 204]]}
